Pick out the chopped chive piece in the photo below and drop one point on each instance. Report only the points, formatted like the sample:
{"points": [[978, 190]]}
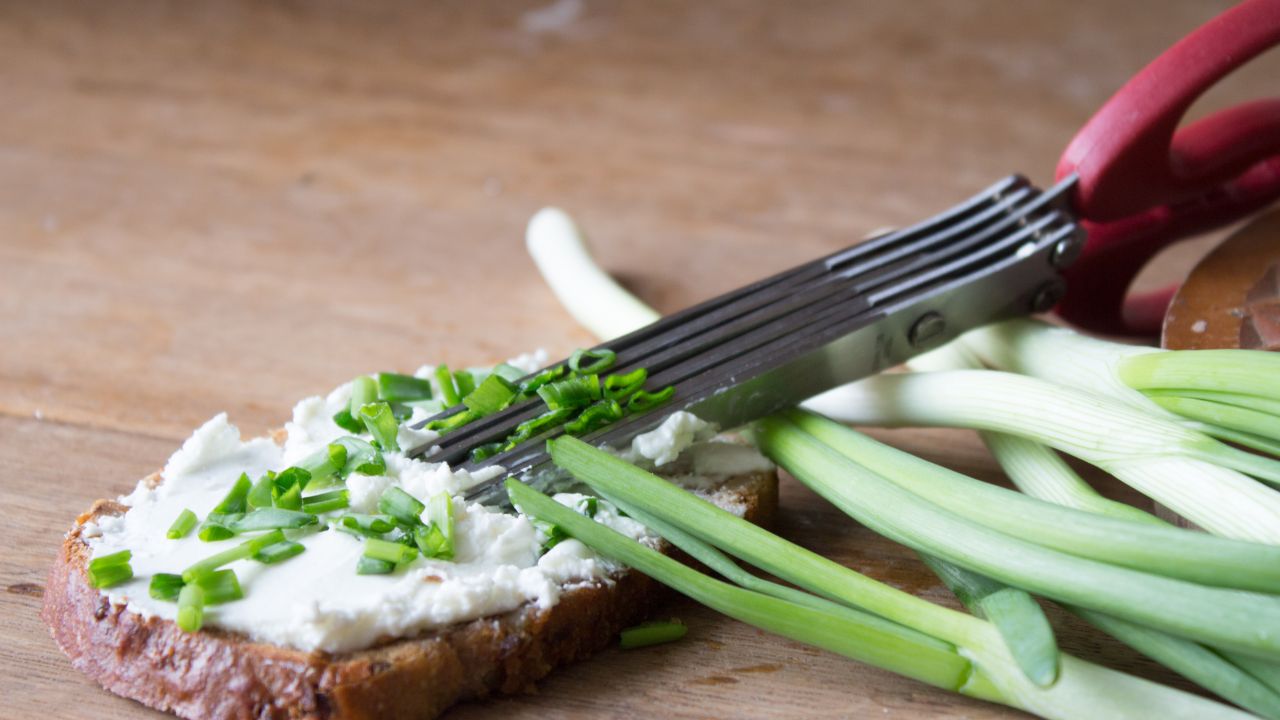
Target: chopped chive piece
{"points": [[447, 388], [644, 400], [260, 494], [382, 425], [401, 505], [368, 524], [597, 360], [587, 506], [211, 531], [286, 488], [324, 464], [400, 412], [444, 425], [230, 555], [278, 552], [166, 586], [362, 457], [326, 502], [392, 552], [486, 451], [363, 391], [652, 633], [543, 422], [182, 525], [109, 570], [220, 586], [594, 417], [554, 534], [190, 607], [510, 373], [272, 519], [621, 387], [397, 388], [494, 394], [436, 539], [344, 420], [466, 382], [530, 386], [234, 502], [573, 392], [373, 566]]}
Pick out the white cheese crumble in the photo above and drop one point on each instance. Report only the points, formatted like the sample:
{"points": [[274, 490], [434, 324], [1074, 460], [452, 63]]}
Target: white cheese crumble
{"points": [[316, 601]]}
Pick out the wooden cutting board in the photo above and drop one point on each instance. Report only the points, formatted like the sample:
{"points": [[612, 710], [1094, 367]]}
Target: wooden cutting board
{"points": [[211, 207]]}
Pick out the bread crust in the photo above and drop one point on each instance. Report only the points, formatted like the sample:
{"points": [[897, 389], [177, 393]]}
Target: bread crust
{"points": [[215, 673]]}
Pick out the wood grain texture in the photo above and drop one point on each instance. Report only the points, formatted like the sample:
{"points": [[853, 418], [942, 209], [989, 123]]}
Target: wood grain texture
{"points": [[228, 206]]}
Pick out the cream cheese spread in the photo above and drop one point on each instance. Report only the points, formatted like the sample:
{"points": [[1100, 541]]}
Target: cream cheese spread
{"points": [[316, 601]]}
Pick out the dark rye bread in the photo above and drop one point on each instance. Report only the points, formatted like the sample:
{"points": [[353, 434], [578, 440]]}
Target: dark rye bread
{"points": [[218, 674]]}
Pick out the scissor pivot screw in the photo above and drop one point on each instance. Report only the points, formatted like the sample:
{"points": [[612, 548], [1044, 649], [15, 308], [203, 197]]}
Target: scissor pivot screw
{"points": [[1068, 249], [927, 328]]}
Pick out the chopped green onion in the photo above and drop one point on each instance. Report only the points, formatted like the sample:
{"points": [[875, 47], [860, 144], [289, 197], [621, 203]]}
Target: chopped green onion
{"points": [[345, 420], [572, 392], [510, 373], [108, 570], [364, 390], [326, 502], [190, 607], [545, 421], [260, 494], [530, 386], [621, 387], [278, 552], [400, 412], [487, 450], [554, 534], [286, 495], [587, 506], [397, 388], [401, 505], [458, 419], [211, 531], [272, 519], [373, 566], [594, 417], [435, 540], [392, 552], [597, 360], [494, 394], [655, 632], [368, 524], [447, 387], [324, 465], [220, 586], [234, 501], [166, 586], [466, 382], [182, 525], [644, 400], [239, 552], [362, 457], [382, 425]]}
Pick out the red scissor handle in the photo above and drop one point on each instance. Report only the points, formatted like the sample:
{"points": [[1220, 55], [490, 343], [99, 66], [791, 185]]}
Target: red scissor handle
{"points": [[1143, 183]]}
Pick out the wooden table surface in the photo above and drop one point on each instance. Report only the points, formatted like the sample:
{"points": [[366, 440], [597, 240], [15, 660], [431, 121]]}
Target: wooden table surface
{"points": [[229, 206]]}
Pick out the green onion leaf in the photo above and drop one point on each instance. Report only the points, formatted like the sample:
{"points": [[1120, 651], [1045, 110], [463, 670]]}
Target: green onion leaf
{"points": [[655, 632], [466, 382], [595, 417], [362, 457], [190, 607], [447, 388], [487, 450], [553, 533], [392, 552], [239, 552], [363, 391], [286, 490], [109, 570], [273, 519], [368, 524], [402, 506], [278, 552], [435, 540], [373, 566], [382, 425], [587, 506], [234, 502], [621, 387], [494, 394], [220, 586], [260, 494], [573, 392], [324, 465], [510, 373], [212, 531], [644, 400], [530, 386], [543, 422], [182, 525], [444, 425], [326, 502], [397, 388], [166, 586], [346, 421], [597, 361]]}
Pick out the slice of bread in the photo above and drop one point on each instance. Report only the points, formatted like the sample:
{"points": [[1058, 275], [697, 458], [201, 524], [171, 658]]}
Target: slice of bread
{"points": [[219, 674]]}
